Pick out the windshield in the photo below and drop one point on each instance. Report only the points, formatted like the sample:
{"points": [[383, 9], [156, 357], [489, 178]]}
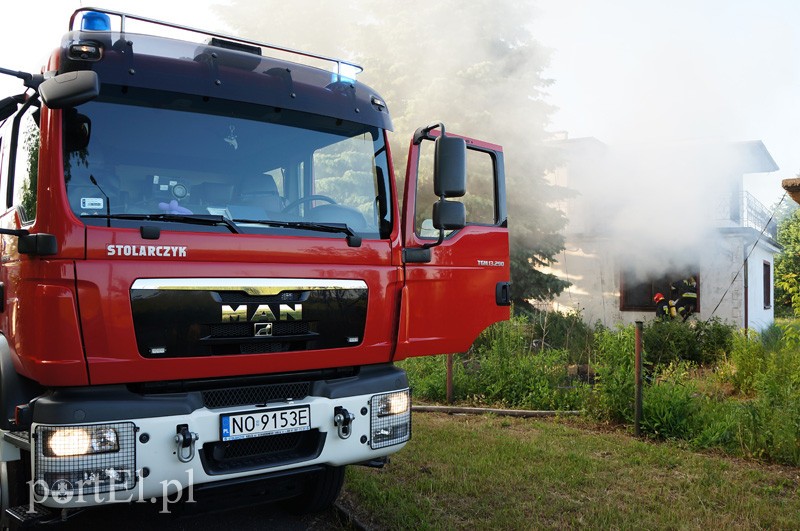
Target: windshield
{"points": [[136, 153]]}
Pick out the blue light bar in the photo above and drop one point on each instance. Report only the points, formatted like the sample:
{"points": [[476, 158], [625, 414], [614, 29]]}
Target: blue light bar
{"points": [[95, 21]]}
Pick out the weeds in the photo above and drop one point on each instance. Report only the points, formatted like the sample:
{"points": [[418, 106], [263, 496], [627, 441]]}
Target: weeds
{"points": [[705, 383]]}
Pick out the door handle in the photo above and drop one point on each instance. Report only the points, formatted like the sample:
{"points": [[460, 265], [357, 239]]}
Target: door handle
{"points": [[502, 294]]}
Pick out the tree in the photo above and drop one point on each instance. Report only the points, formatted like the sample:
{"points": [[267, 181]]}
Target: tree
{"points": [[475, 67], [787, 264]]}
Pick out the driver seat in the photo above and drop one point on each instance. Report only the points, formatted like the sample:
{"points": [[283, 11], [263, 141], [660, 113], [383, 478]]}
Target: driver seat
{"points": [[262, 192]]}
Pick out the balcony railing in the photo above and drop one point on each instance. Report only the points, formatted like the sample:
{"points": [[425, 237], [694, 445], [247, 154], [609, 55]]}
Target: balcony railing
{"points": [[747, 211]]}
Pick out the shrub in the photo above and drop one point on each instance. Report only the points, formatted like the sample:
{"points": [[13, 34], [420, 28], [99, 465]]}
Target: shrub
{"points": [[614, 376], [669, 341], [702, 342], [669, 410], [427, 376], [716, 339], [506, 367], [563, 331], [717, 425], [748, 355]]}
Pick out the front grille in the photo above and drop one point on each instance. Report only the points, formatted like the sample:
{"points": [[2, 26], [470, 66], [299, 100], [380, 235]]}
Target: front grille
{"points": [[261, 452], [255, 394], [262, 348], [279, 328]]}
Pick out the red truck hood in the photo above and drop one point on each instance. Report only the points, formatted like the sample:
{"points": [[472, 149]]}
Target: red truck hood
{"points": [[191, 306]]}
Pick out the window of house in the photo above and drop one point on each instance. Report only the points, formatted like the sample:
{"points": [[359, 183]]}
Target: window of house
{"points": [[767, 285], [636, 293]]}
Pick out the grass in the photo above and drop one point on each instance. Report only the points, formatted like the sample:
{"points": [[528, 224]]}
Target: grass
{"points": [[486, 472]]}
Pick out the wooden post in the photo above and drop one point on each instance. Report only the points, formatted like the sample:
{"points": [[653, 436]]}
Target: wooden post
{"points": [[637, 415], [449, 378]]}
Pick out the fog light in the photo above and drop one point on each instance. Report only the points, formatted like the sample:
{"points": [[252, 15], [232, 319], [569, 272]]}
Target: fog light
{"points": [[390, 421]]}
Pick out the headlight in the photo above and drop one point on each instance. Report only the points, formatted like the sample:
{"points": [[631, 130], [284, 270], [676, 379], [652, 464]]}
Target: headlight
{"points": [[393, 404], [390, 421], [88, 459], [62, 442], [68, 441]]}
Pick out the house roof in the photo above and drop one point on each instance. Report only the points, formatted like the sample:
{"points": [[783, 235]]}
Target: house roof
{"points": [[754, 157], [792, 187]]}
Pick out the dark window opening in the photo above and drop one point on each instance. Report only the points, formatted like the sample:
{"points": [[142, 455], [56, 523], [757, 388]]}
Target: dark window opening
{"points": [[636, 294], [767, 285]]}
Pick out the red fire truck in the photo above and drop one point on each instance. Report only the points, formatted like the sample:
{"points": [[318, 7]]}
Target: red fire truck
{"points": [[207, 275]]}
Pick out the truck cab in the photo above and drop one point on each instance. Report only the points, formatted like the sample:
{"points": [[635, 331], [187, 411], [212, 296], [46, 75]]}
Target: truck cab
{"points": [[207, 274]]}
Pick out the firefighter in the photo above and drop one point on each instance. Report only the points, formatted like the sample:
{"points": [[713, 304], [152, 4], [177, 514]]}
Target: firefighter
{"points": [[663, 307], [685, 293]]}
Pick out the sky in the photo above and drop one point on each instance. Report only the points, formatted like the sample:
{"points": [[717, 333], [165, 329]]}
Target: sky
{"points": [[623, 71], [628, 71]]}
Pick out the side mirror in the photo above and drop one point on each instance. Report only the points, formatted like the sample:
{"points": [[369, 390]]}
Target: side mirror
{"points": [[70, 89], [449, 215], [450, 167]]}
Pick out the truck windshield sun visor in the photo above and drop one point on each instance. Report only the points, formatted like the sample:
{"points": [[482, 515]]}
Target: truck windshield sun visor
{"points": [[204, 162]]}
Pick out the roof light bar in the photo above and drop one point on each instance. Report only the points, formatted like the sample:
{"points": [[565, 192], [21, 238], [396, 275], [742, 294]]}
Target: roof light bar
{"points": [[343, 68]]}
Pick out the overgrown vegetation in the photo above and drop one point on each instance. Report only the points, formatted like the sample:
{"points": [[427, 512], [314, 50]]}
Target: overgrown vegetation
{"points": [[489, 472], [705, 383]]}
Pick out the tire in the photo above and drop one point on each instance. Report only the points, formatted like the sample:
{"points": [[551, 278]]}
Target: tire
{"points": [[320, 491]]}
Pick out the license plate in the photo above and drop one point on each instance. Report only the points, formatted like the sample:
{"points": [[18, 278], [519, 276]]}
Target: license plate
{"points": [[265, 422]]}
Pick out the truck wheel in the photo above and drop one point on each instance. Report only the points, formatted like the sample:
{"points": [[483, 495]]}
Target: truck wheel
{"points": [[320, 491]]}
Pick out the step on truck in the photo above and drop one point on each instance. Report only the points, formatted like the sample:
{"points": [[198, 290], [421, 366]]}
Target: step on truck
{"points": [[208, 273]]}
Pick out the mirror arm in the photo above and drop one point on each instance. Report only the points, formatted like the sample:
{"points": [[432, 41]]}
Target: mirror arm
{"points": [[15, 232], [29, 80], [423, 133]]}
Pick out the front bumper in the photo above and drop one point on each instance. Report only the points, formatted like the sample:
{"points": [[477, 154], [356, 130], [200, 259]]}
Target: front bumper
{"points": [[143, 446]]}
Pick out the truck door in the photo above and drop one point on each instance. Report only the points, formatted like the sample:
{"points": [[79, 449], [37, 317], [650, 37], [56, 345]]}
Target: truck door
{"points": [[453, 290]]}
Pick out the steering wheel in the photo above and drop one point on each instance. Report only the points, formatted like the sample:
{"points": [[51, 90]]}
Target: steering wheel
{"points": [[307, 199]]}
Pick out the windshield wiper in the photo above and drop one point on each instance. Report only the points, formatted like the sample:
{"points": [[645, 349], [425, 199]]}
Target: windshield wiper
{"points": [[193, 219], [353, 239]]}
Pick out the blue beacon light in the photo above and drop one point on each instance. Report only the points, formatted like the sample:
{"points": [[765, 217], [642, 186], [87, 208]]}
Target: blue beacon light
{"points": [[95, 21]]}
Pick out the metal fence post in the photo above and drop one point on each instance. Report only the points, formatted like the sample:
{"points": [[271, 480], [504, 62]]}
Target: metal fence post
{"points": [[637, 415]]}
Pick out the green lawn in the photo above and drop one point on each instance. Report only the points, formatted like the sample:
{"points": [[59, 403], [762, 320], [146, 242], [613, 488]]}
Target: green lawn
{"points": [[487, 472]]}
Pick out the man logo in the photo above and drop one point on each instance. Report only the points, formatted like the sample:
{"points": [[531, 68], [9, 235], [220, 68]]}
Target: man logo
{"points": [[262, 329], [262, 313]]}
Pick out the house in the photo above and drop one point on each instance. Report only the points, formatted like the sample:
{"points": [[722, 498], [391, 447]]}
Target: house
{"points": [[644, 217]]}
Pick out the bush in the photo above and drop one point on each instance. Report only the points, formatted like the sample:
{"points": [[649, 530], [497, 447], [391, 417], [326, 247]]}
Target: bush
{"points": [[536, 380], [507, 367], [669, 410], [748, 356], [717, 425], [748, 403], [564, 331], [614, 376], [702, 342]]}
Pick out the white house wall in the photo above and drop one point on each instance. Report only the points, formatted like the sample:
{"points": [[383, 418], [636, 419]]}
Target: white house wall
{"points": [[595, 290], [759, 317]]}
